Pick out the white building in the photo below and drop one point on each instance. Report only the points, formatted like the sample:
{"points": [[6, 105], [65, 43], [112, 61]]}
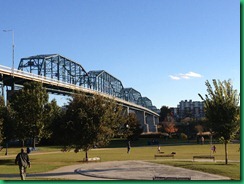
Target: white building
{"points": [[192, 109]]}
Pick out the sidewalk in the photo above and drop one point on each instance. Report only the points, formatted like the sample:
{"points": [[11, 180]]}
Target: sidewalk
{"points": [[118, 170], [122, 170]]}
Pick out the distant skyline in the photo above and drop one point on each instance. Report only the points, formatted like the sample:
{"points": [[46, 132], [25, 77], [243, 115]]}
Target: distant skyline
{"points": [[164, 49]]}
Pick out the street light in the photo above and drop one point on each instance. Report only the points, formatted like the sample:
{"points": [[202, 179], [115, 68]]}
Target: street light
{"points": [[10, 30]]}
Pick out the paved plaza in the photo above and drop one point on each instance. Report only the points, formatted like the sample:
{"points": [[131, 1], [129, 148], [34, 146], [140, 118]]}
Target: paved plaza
{"points": [[124, 170]]}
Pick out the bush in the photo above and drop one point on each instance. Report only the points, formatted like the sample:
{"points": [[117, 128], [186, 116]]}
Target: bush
{"points": [[151, 135], [183, 136]]}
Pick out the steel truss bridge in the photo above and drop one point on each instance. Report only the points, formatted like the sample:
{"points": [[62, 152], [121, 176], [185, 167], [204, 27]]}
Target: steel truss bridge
{"points": [[60, 75]]}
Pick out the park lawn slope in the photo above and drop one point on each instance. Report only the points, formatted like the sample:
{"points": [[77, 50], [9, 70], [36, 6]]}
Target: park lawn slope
{"points": [[49, 158]]}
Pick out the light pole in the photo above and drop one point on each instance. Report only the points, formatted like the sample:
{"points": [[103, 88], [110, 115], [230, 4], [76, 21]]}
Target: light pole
{"points": [[10, 30]]}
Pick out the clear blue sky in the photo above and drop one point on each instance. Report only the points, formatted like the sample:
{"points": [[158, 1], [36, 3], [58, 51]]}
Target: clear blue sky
{"points": [[166, 49]]}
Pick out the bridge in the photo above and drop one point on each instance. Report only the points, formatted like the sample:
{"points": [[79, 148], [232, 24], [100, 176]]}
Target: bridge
{"points": [[60, 75]]}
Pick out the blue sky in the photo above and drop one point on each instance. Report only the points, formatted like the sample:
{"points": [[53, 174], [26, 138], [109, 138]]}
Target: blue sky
{"points": [[165, 49]]}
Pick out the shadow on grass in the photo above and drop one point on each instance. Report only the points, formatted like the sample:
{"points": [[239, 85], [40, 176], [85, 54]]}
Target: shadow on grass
{"points": [[184, 163], [38, 175], [7, 162]]}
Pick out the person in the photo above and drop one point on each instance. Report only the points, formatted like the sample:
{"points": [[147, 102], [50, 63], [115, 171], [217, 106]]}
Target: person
{"points": [[214, 149], [202, 140], [158, 148], [22, 159], [128, 147], [28, 150]]}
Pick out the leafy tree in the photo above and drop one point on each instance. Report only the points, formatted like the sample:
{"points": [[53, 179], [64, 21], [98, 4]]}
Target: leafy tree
{"points": [[168, 124], [90, 121], [132, 128], [170, 127], [52, 118], [29, 111], [60, 130], [164, 112], [221, 106], [8, 127]]}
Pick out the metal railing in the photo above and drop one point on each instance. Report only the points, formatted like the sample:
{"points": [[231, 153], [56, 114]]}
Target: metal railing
{"points": [[38, 78]]}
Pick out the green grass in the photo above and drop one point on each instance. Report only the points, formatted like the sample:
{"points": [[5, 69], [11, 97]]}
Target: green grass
{"points": [[54, 158], [232, 170]]}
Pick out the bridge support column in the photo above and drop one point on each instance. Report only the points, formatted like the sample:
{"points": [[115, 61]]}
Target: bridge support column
{"points": [[142, 119], [156, 119], [145, 125], [128, 110], [2, 85], [151, 123], [12, 86], [3, 94]]}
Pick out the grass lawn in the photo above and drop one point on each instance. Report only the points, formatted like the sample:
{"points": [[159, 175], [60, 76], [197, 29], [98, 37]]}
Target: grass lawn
{"points": [[49, 158]]}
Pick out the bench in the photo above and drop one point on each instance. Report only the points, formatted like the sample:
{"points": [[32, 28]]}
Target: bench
{"points": [[171, 178], [203, 157], [162, 155]]}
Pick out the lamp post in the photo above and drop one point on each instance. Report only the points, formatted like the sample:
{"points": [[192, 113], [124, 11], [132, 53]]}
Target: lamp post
{"points": [[6, 152], [127, 127], [10, 30]]}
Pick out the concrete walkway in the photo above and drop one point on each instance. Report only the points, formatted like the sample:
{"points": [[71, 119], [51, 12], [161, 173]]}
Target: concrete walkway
{"points": [[122, 170]]}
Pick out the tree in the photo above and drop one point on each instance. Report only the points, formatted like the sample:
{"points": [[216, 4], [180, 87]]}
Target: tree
{"points": [[132, 128], [168, 124], [90, 121], [221, 106], [28, 105], [164, 112], [53, 116], [8, 128]]}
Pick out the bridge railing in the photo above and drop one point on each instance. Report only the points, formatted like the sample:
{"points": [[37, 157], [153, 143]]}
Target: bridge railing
{"points": [[15, 72], [43, 79]]}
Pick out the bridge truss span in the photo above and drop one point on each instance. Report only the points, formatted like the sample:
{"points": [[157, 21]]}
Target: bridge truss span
{"points": [[104, 82], [60, 75], [57, 67]]}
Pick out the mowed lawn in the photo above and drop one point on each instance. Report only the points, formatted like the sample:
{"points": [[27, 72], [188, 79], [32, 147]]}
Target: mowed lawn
{"points": [[49, 158]]}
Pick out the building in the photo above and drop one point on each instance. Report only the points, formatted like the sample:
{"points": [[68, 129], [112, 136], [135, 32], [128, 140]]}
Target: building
{"points": [[192, 109]]}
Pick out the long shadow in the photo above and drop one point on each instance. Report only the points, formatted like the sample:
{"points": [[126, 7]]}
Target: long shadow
{"points": [[99, 170], [37, 175], [7, 162], [51, 174]]}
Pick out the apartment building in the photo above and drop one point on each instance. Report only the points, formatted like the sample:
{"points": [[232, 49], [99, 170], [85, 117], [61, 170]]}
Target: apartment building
{"points": [[192, 109]]}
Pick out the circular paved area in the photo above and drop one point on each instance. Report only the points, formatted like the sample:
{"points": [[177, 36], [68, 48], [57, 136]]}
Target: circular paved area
{"points": [[140, 170], [118, 170]]}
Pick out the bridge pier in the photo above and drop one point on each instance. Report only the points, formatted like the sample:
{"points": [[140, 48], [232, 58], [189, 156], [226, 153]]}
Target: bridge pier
{"points": [[3, 91], [151, 122], [2, 85], [148, 122]]}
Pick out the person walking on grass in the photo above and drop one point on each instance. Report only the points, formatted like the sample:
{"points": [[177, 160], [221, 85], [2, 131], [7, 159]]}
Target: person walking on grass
{"points": [[128, 147], [214, 149], [22, 159]]}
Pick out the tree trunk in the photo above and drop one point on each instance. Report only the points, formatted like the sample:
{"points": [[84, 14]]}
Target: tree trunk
{"points": [[226, 153], [22, 143], [87, 156], [34, 143]]}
